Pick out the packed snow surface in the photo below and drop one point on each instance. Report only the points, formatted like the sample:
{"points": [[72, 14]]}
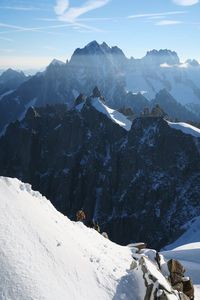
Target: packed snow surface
{"points": [[112, 114], [43, 255], [185, 128]]}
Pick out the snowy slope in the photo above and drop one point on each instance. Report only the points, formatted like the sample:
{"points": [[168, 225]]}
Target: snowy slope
{"points": [[43, 255], [112, 114], [190, 236], [185, 128]]}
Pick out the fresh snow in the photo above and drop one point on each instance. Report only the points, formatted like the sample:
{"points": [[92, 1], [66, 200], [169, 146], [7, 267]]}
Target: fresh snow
{"points": [[43, 255], [112, 114], [185, 128]]}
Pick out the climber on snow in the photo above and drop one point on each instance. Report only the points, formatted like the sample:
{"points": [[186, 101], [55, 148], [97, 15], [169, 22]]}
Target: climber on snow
{"points": [[80, 216]]}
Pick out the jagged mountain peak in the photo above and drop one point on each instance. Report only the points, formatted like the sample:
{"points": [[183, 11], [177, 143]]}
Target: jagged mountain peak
{"points": [[80, 99], [105, 46], [164, 96], [92, 44], [94, 48], [11, 74], [90, 49], [174, 109], [164, 93], [96, 92], [117, 51], [162, 56], [192, 62], [96, 101], [57, 62], [31, 113], [115, 116]]}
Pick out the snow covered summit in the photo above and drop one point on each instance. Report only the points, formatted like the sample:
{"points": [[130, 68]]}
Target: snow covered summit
{"points": [[110, 113], [185, 128]]}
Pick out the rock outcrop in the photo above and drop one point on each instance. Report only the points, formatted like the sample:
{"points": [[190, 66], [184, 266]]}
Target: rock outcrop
{"points": [[163, 279], [122, 179]]}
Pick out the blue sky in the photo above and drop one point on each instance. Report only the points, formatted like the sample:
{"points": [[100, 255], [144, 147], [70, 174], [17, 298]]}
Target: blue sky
{"points": [[33, 32]]}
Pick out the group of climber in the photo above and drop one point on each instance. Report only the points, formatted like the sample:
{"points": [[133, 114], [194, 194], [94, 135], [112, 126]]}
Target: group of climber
{"points": [[81, 217]]}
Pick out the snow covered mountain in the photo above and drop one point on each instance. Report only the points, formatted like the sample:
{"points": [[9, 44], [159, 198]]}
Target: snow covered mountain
{"points": [[121, 174], [112, 114], [186, 128], [43, 255], [129, 83], [162, 70]]}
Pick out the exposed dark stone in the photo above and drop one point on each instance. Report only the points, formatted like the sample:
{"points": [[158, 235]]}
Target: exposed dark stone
{"points": [[124, 180], [96, 93], [80, 99]]}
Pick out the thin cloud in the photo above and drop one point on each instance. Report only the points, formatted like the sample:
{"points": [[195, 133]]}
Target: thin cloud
{"points": [[15, 28], [186, 2], [71, 14], [156, 17], [6, 39], [22, 8], [95, 19], [46, 19], [162, 14], [74, 12], [80, 19], [168, 22], [61, 6]]}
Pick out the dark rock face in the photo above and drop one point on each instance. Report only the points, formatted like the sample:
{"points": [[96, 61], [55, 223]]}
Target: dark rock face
{"points": [[139, 185], [173, 109]]}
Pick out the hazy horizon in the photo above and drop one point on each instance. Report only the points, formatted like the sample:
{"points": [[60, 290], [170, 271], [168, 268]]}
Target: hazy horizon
{"points": [[32, 34]]}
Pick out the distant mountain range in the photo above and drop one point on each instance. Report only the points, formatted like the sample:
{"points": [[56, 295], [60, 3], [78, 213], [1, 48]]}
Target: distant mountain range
{"points": [[159, 77]]}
